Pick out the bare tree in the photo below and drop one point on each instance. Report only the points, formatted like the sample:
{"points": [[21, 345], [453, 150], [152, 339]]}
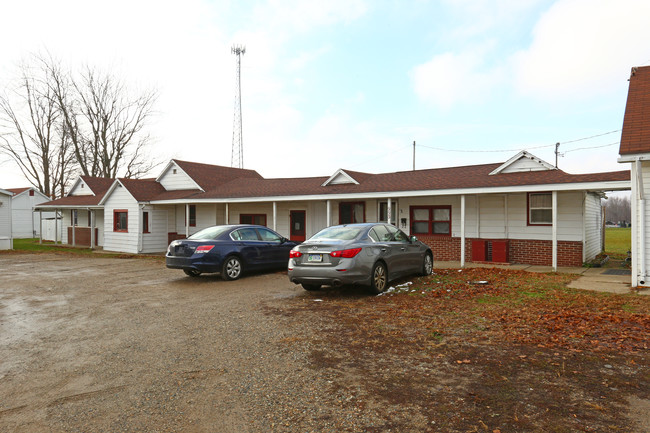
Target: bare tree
{"points": [[33, 133], [106, 124], [618, 209]]}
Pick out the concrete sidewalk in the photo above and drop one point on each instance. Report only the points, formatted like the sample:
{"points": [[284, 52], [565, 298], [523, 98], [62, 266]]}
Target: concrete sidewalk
{"points": [[588, 278]]}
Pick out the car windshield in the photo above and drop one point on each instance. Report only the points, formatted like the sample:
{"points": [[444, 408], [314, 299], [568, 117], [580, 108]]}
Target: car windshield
{"points": [[210, 233], [338, 233]]}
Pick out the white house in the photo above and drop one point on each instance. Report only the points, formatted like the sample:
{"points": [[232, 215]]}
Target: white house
{"points": [[522, 210], [6, 239], [25, 222], [82, 218], [635, 149]]}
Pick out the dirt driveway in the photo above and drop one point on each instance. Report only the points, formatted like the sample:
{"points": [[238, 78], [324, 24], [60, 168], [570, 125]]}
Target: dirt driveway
{"points": [[97, 344], [91, 344]]}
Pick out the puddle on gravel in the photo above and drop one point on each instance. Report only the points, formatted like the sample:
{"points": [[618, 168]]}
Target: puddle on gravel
{"points": [[22, 318]]}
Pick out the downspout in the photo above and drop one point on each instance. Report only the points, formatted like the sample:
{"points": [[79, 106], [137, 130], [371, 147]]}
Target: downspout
{"points": [[641, 219]]}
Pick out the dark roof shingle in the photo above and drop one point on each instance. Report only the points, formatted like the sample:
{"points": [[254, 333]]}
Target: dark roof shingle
{"points": [[635, 137]]}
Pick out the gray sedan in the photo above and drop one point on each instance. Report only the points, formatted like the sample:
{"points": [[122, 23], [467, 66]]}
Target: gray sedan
{"points": [[370, 254]]}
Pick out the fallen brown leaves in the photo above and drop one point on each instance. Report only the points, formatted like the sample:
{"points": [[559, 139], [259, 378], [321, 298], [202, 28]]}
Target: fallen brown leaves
{"points": [[485, 349]]}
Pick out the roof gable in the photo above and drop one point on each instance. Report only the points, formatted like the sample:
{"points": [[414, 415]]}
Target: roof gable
{"points": [[339, 178], [5, 192], [521, 163], [173, 177], [635, 137]]}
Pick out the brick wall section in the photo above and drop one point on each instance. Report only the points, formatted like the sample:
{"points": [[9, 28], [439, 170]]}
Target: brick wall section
{"points": [[524, 251], [82, 236]]}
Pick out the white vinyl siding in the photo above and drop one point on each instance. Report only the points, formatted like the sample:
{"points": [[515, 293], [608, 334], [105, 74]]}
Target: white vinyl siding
{"points": [[5, 221], [126, 242], [25, 222], [80, 188], [178, 180], [156, 239], [492, 221], [593, 227]]}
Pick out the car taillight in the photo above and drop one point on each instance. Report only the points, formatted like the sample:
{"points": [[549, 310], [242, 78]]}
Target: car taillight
{"points": [[346, 254], [202, 249], [294, 254]]}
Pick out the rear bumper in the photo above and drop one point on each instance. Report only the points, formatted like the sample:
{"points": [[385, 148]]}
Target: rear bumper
{"points": [[194, 264], [327, 276]]}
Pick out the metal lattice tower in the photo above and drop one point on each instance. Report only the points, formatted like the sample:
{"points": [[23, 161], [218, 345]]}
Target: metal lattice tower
{"points": [[237, 156]]}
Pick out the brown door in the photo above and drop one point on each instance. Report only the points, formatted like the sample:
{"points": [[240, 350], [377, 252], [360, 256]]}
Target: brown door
{"points": [[297, 222]]}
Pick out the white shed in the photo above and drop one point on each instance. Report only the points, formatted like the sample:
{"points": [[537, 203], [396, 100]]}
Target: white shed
{"points": [[25, 223], [6, 239]]}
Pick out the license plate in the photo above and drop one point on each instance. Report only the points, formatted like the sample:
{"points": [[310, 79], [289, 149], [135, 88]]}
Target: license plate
{"points": [[315, 258]]}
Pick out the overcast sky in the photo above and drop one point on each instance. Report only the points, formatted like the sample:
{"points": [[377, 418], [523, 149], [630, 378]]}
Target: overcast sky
{"points": [[352, 83]]}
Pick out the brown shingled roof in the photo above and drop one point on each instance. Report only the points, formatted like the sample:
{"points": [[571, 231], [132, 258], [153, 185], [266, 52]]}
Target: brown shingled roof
{"points": [[635, 137], [98, 185], [17, 191], [476, 176], [210, 176]]}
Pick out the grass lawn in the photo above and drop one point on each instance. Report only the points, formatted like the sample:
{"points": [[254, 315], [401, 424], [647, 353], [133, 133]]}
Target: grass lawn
{"points": [[618, 242], [33, 246], [485, 350]]}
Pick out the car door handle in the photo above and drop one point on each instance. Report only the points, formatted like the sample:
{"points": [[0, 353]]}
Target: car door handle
{"points": [[403, 248], [383, 250]]}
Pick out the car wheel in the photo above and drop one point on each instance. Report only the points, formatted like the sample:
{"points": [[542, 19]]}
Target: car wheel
{"points": [[427, 265], [311, 287], [192, 272], [232, 268], [378, 278]]}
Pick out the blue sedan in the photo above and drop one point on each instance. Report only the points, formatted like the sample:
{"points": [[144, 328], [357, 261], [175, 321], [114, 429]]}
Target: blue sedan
{"points": [[229, 250]]}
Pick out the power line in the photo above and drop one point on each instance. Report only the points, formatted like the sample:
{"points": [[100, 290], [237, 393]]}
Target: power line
{"points": [[592, 147], [587, 138]]}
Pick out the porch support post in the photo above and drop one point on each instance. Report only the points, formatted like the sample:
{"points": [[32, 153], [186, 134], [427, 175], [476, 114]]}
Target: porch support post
{"points": [[275, 216], [73, 214], [227, 213], [92, 229], [187, 220], [329, 213], [554, 230], [40, 225], [462, 231], [389, 211]]}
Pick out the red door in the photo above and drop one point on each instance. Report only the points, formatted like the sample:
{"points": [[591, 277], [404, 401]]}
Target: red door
{"points": [[297, 222]]}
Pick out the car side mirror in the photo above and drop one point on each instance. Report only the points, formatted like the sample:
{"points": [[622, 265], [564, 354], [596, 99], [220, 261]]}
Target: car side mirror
{"points": [[413, 239]]}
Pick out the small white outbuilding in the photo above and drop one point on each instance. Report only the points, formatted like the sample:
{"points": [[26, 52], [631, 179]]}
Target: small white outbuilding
{"points": [[25, 223], [6, 239]]}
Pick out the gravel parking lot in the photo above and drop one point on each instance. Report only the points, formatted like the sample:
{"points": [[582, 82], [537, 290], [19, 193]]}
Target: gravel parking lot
{"points": [[99, 344]]}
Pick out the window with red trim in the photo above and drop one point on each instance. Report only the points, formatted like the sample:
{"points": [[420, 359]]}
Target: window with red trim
{"points": [[31, 193], [540, 208], [120, 220], [352, 212], [259, 219], [431, 220], [145, 222]]}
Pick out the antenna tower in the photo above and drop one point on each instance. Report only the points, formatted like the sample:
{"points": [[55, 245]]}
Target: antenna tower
{"points": [[237, 155]]}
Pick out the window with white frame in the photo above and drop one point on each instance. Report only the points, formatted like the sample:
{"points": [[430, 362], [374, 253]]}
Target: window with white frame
{"points": [[540, 208]]}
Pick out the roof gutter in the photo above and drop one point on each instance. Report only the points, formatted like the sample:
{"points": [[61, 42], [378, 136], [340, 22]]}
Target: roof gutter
{"points": [[589, 186]]}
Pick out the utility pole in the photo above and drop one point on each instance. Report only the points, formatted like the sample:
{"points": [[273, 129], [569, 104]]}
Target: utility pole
{"points": [[557, 152], [237, 155], [413, 155]]}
